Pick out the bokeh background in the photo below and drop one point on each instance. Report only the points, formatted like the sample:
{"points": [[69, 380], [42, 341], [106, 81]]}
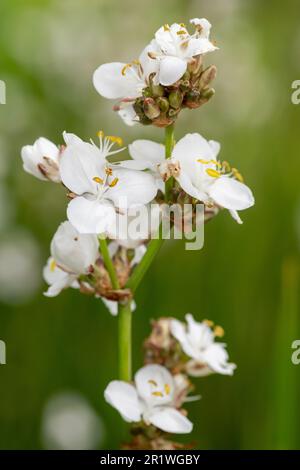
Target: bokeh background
{"points": [[62, 352]]}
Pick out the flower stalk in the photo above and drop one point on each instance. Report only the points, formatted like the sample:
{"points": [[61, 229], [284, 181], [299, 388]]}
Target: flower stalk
{"points": [[169, 144], [125, 341]]}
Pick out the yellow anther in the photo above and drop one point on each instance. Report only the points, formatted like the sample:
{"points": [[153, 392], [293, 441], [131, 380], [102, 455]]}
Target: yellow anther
{"points": [[152, 382], [98, 180], [237, 175], [166, 27], [136, 62], [115, 139], [52, 265], [113, 183], [124, 69], [219, 331], [157, 394], [182, 25], [108, 171], [213, 173], [208, 323], [100, 134], [167, 389], [208, 162], [181, 32]]}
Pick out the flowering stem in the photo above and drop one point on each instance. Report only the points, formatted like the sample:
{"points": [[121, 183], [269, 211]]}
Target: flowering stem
{"points": [[169, 144], [145, 262], [108, 263], [125, 340]]}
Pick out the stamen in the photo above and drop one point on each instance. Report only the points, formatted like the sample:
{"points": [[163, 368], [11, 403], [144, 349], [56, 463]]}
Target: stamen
{"points": [[152, 382], [207, 162], [208, 323], [157, 394], [113, 183], [98, 180], [166, 27], [167, 389], [237, 175], [52, 265], [115, 139], [108, 171], [226, 167], [181, 31], [182, 25], [213, 173], [100, 134], [124, 69], [219, 331]]}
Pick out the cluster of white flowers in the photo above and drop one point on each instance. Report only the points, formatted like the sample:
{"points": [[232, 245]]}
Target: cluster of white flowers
{"points": [[94, 252], [158, 392]]}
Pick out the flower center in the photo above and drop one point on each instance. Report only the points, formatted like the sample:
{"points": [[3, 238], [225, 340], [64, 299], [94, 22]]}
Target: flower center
{"points": [[160, 393], [224, 169]]}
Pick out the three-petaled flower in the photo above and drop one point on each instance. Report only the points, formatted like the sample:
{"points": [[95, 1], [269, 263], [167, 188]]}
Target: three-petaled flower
{"points": [[152, 398], [198, 343]]}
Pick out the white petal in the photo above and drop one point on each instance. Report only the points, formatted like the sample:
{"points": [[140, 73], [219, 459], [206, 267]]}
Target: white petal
{"points": [[74, 251], [138, 255], [91, 216], [56, 278], [80, 163], [70, 138], [46, 148], [133, 187], [205, 25], [148, 151], [187, 185], [171, 70], [111, 306], [123, 397], [216, 358], [153, 378], [31, 161], [215, 147], [231, 194], [195, 368], [114, 82], [128, 114], [149, 65], [171, 420], [179, 332], [236, 217]]}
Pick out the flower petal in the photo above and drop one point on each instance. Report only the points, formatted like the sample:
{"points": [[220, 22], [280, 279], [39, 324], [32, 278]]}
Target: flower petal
{"points": [[231, 194], [123, 397], [91, 216], [171, 420], [171, 70], [179, 332], [148, 151], [56, 278], [128, 114], [151, 381], [217, 357], [114, 81], [133, 187]]}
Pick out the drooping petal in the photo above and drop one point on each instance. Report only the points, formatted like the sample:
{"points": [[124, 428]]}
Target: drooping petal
{"points": [[170, 420], [80, 163], [148, 65], [236, 217], [34, 155], [91, 216], [74, 251], [116, 81], [70, 138], [56, 278], [128, 114], [216, 357], [199, 334], [195, 368], [179, 332], [124, 398], [46, 148], [231, 194], [171, 70], [155, 385], [133, 188]]}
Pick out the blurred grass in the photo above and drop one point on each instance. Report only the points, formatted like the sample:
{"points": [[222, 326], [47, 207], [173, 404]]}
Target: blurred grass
{"points": [[48, 51]]}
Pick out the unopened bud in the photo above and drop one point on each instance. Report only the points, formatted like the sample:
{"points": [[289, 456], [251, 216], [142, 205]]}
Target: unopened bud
{"points": [[163, 104], [208, 93], [207, 76], [185, 85], [192, 99], [175, 99], [173, 112], [156, 89], [147, 92], [151, 109]]}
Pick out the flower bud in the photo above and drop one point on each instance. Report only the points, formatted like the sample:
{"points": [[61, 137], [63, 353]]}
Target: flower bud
{"points": [[192, 99], [207, 76], [156, 89], [207, 93], [185, 85], [163, 104], [175, 99], [147, 92], [151, 109]]}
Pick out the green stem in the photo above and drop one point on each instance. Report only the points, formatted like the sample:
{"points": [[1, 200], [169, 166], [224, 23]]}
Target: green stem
{"points": [[145, 262], [125, 341], [108, 263], [169, 144]]}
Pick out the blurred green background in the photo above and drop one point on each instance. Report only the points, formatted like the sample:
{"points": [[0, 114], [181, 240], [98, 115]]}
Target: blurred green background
{"points": [[246, 278]]}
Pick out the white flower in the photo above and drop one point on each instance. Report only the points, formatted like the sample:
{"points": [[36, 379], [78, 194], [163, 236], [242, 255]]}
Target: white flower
{"points": [[173, 48], [72, 254], [198, 342], [151, 399], [100, 187], [42, 160], [125, 82]]}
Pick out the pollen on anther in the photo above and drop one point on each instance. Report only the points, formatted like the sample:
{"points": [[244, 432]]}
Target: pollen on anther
{"points": [[98, 180], [167, 389], [115, 139], [166, 27], [100, 134], [52, 265], [157, 394], [213, 173], [152, 382], [219, 331], [113, 183]]}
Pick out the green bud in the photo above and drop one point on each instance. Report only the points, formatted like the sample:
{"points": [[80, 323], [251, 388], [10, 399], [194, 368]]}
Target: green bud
{"points": [[175, 99], [192, 99], [151, 109], [138, 106], [147, 92], [186, 76], [163, 104], [185, 85], [207, 76], [208, 93], [156, 90], [173, 112]]}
